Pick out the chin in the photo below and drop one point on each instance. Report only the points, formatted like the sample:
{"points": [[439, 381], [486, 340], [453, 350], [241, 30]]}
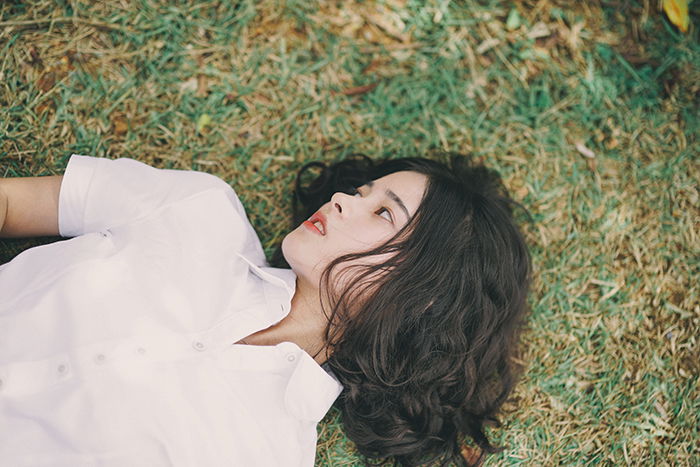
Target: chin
{"points": [[292, 250], [287, 245]]}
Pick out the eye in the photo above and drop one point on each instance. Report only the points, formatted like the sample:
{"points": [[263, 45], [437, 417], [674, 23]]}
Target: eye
{"points": [[382, 212], [355, 192]]}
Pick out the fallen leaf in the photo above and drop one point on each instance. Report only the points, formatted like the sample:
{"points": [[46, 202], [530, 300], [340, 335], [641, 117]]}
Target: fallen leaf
{"points": [[580, 147], [47, 105], [612, 143], [201, 86], [65, 65], [35, 58], [46, 81], [677, 12], [358, 90], [202, 122], [522, 192], [119, 124], [201, 79], [374, 65], [471, 455]]}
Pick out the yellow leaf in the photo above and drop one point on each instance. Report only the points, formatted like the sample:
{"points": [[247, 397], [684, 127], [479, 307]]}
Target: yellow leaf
{"points": [[677, 12], [203, 121]]}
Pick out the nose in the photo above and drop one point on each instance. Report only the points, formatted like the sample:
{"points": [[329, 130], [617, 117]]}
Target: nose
{"points": [[340, 203]]}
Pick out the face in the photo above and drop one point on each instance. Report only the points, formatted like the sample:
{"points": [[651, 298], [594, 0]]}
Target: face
{"points": [[353, 223]]}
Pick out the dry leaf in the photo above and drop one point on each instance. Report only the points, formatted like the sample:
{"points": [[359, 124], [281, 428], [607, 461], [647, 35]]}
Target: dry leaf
{"points": [[612, 143], [374, 65], [359, 89], [580, 147], [46, 81], [201, 79], [522, 192], [47, 105], [677, 12], [471, 455], [35, 58], [119, 124], [201, 86]]}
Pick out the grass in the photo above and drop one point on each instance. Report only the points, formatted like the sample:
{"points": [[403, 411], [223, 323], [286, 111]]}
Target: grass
{"points": [[612, 344]]}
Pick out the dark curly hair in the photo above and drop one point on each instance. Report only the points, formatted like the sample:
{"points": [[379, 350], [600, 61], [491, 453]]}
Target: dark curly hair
{"points": [[430, 354]]}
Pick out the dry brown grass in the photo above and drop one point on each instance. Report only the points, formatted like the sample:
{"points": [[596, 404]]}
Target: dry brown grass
{"points": [[611, 348]]}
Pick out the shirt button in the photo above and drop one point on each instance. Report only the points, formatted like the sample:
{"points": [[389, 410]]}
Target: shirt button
{"points": [[100, 359], [198, 345], [291, 357], [62, 369], [141, 351], [1, 384]]}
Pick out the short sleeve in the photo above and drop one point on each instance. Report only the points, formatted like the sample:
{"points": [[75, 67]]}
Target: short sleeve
{"points": [[99, 193]]}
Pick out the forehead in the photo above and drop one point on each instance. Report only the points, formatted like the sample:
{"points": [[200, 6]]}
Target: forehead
{"points": [[407, 185]]}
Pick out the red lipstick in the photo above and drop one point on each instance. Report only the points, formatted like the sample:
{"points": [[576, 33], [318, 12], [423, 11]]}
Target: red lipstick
{"points": [[312, 223]]}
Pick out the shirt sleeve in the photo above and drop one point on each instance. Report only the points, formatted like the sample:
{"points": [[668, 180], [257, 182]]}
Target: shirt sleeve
{"points": [[99, 193]]}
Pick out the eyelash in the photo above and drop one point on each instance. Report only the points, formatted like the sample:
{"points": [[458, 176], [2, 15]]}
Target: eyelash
{"points": [[355, 192]]}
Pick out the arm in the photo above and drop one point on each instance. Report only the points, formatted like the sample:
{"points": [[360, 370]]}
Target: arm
{"points": [[29, 206], [3, 207]]}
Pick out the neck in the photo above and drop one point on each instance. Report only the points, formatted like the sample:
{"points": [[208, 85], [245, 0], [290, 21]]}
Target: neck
{"points": [[305, 324]]}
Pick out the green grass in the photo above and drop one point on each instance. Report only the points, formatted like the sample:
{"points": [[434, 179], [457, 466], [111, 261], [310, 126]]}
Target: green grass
{"points": [[612, 345]]}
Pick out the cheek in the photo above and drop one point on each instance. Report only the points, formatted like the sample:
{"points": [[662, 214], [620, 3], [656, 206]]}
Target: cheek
{"points": [[309, 256], [361, 238]]}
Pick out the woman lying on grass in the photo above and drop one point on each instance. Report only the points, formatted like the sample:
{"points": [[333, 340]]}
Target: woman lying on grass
{"points": [[159, 335]]}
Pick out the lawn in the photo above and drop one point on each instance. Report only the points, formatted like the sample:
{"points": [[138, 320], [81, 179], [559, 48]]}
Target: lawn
{"points": [[589, 110]]}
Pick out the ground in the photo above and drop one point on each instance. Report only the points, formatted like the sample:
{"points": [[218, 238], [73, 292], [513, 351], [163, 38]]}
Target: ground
{"points": [[589, 110]]}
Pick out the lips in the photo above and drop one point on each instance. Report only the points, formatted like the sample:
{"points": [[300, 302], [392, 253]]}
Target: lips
{"points": [[317, 222]]}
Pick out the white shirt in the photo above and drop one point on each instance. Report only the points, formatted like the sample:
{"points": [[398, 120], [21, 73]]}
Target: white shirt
{"points": [[117, 345]]}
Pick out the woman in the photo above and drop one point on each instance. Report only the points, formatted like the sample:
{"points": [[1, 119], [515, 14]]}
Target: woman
{"points": [[407, 280]]}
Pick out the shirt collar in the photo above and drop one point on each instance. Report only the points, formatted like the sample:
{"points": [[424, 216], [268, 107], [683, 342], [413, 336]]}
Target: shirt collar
{"points": [[279, 284]]}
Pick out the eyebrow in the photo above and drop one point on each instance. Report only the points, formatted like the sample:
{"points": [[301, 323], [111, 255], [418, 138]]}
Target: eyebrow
{"points": [[394, 198]]}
